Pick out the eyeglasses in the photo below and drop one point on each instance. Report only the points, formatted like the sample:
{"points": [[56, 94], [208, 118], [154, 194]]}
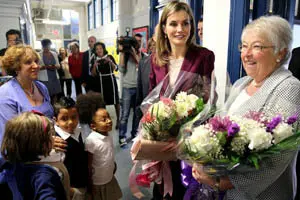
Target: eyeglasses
{"points": [[254, 47]]}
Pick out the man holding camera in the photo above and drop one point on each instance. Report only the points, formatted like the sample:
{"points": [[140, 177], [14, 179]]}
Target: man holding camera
{"points": [[130, 56]]}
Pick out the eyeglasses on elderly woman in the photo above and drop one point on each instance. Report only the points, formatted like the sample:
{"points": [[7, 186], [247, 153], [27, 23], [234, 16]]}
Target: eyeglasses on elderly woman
{"points": [[256, 48]]}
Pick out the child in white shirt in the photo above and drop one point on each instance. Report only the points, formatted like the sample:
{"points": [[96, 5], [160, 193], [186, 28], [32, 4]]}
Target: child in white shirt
{"points": [[99, 144]]}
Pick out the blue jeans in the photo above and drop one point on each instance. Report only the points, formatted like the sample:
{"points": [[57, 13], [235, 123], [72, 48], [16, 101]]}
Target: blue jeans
{"points": [[128, 101]]}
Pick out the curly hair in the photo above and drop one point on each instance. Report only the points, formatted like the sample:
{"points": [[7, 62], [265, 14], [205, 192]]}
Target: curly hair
{"points": [[87, 105], [26, 137], [15, 56]]}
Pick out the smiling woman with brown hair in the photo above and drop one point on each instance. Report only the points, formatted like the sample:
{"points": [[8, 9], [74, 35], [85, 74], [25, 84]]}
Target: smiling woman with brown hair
{"points": [[23, 92]]}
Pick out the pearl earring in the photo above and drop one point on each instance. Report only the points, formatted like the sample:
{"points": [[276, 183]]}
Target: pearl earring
{"points": [[278, 60]]}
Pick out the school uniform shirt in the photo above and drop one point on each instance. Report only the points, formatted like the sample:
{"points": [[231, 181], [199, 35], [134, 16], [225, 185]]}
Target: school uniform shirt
{"points": [[103, 157], [76, 157]]}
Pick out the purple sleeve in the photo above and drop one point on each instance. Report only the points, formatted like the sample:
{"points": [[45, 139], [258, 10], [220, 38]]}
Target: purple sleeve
{"points": [[8, 110], [47, 185]]}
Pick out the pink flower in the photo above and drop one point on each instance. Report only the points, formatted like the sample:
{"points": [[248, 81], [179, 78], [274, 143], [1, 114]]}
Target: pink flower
{"points": [[148, 118], [167, 101], [220, 124]]}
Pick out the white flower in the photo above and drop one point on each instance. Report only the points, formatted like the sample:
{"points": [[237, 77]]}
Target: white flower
{"points": [[239, 144], [191, 101], [181, 97], [181, 109], [281, 132], [203, 142], [161, 110], [259, 139]]}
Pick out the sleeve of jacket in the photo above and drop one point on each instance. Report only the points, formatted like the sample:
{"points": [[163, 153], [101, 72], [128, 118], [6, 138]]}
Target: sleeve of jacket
{"points": [[294, 65], [85, 66]]}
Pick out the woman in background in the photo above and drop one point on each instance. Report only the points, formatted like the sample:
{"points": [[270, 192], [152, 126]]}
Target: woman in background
{"points": [[103, 67], [48, 71], [66, 76], [75, 64]]}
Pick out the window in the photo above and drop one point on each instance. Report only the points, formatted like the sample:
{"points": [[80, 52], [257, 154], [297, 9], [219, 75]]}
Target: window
{"points": [[96, 14], [104, 9], [90, 16], [114, 10]]}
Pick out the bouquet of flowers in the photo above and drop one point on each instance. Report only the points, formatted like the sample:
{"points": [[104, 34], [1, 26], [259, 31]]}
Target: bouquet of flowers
{"points": [[165, 109], [225, 142], [161, 123], [165, 114]]}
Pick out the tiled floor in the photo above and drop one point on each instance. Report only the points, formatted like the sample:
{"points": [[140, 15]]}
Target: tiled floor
{"points": [[124, 162], [122, 157]]}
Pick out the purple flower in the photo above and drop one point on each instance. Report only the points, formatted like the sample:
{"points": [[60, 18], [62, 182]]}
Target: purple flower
{"points": [[220, 124], [273, 123], [233, 129], [257, 116], [292, 119]]}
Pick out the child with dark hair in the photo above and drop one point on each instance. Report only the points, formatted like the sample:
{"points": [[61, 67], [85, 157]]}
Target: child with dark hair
{"points": [[99, 144], [66, 126], [26, 138], [86, 105]]}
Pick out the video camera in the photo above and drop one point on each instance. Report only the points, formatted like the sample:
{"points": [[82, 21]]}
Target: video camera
{"points": [[127, 42]]}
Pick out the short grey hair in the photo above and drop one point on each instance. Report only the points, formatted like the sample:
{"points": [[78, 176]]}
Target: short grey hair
{"points": [[276, 29]]}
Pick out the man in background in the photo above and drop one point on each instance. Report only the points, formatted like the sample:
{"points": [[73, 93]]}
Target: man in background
{"points": [[87, 78], [200, 30], [13, 37]]}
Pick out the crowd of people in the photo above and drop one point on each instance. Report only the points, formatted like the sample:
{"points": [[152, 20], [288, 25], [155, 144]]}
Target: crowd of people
{"points": [[53, 147]]}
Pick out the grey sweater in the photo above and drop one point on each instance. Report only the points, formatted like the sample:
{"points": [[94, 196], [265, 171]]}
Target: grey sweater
{"points": [[129, 74]]}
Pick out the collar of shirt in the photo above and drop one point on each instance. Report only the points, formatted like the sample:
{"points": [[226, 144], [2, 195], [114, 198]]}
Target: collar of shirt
{"points": [[65, 135], [102, 137]]}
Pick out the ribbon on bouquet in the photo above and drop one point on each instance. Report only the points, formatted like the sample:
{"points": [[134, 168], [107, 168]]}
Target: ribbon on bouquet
{"points": [[155, 171]]}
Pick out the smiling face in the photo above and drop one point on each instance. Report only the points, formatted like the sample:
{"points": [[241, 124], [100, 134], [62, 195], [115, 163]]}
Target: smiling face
{"points": [[258, 63], [178, 28], [67, 119], [29, 67], [99, 51], [101, 121]]}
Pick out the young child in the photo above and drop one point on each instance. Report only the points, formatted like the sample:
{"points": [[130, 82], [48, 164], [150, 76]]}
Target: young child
{"points": [[27, 137], [66, 126], [99, 144]]}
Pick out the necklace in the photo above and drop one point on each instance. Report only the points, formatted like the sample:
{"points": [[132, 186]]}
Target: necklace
{"points": [[30, 92]]}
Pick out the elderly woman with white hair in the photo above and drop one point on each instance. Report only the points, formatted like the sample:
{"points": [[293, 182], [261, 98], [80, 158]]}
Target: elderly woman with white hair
{"points": [[271, 89]]}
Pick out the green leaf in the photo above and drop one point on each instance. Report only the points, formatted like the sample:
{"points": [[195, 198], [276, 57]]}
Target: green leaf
{"points": [[254, 160], [222, 138], [199, 105]]}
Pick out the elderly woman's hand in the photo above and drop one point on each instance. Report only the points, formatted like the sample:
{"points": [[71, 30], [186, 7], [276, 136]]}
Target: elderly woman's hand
{"points": [[59, 144], [201, 176]]}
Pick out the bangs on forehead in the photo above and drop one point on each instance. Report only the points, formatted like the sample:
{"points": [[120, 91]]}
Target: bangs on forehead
{"points": [[30, 55], [259, 32]]}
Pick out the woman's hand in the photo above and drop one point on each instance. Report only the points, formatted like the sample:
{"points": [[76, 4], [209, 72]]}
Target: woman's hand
{"points": [[171, 147], [201, 176], [94, 71], [59, 144]]}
